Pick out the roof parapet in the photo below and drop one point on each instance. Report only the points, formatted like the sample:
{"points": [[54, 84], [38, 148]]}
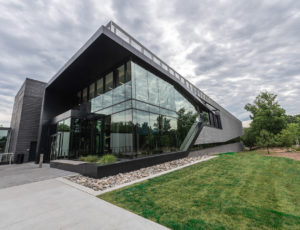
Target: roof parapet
{"points": [[117, 30]]}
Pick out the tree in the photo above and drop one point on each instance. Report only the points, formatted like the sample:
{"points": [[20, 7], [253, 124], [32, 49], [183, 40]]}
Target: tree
{"points": [[292, 119], [266, 114], [249, 137], [289, 136], [265, 139]]}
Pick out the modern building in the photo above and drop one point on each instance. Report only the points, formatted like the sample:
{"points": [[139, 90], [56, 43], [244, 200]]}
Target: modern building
{"points": [[116, 96], [26, 119]]}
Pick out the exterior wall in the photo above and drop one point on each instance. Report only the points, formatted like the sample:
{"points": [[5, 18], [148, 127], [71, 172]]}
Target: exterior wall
{"points": [[26, 116], [16, 118], [231, 128], [235, 147]]}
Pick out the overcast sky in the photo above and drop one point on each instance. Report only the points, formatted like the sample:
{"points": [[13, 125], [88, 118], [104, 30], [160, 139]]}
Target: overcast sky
{"points": [[232, 50]]}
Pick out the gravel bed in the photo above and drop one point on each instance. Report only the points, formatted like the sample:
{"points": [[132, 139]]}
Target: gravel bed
{"points": [[122, 178]]}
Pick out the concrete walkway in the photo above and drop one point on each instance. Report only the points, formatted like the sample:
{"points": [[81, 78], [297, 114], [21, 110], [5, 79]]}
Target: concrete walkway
{"points": [[52, 204], [18, 174]]}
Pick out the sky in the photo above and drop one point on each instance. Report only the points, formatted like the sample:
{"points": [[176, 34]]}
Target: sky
{"points": [[231, 50]]}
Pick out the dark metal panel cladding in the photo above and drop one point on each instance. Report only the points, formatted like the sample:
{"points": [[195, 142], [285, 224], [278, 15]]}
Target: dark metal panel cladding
{"points": [[26, 116]]}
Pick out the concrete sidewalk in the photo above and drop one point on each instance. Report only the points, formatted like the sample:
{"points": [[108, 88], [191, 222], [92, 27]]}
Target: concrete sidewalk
{"points": [[51, 204], [18, 174]]}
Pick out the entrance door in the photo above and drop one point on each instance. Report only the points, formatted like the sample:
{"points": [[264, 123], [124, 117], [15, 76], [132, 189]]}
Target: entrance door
{"points": [[96, 136], [32, 151]]}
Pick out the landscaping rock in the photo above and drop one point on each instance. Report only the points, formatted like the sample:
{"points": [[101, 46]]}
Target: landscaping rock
{"points": [[123, 178]]}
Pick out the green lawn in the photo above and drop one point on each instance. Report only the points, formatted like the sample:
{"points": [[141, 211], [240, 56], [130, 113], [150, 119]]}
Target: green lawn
{"points": [[233, 191]]}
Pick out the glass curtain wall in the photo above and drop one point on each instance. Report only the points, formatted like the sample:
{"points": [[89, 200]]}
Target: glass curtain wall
{"points": [[63, 138], [161, 115], [144, 115], [4, 134]]}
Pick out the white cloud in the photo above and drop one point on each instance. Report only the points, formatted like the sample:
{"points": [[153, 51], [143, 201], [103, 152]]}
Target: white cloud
{"points": [[231, 49]]}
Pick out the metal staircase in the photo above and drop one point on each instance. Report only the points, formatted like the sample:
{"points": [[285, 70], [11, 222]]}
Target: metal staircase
{"points": [[192, 135]]}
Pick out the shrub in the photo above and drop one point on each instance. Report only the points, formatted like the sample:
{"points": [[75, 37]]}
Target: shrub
{"points": [[297, 148], [107, 159], [89, 158]]}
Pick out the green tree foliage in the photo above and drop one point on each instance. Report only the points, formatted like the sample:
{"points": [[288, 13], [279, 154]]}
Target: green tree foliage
{"points": [[265, 139], [184, 122], [293, 119], [266, 114], [289, 136], [270, 124], [249, 137]]}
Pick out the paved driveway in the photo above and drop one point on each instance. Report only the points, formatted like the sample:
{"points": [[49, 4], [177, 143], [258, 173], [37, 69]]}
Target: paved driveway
{"points": [[52, 204], [18, 174]]}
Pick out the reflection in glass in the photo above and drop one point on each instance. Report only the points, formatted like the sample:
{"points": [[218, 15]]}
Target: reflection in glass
{"points": [[141, 83], [100, 86], [66, 138], [109, 81], [143, 114], [92, 91], [141, 120], [79, 99], [3, 140], [84, 95], [121, 134], [153, 89], [120, 76]]}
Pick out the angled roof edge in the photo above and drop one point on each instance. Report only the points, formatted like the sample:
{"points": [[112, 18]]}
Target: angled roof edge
{"points": [[78, 53], [156, 62]]}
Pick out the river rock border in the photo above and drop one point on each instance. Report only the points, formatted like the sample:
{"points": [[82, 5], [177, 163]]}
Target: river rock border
{"points": [[106, 183]]}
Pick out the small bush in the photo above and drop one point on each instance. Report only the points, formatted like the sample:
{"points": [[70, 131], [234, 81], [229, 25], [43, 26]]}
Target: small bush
{"points": [[89, 158], [107, 159]]}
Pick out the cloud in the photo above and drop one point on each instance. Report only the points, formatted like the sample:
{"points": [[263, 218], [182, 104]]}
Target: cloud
{"points": [[231, 50]]}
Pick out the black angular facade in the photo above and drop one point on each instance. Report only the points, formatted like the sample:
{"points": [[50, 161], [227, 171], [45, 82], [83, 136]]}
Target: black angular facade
{"points": [[115, 96]]}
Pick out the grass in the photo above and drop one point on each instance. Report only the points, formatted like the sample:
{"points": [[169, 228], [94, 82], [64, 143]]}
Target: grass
{"points": [[106, 159], [89, 158], [233, 191]]}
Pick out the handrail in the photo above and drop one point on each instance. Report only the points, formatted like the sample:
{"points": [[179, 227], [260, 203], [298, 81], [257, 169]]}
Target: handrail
{"points": [[194, 130], [117, 30]]}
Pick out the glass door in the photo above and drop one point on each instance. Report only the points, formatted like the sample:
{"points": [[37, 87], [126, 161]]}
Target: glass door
{"points": [[99, 137]]}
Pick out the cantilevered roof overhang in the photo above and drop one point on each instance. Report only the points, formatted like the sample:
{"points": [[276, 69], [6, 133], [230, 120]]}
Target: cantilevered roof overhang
{"points": [[105, 49]]}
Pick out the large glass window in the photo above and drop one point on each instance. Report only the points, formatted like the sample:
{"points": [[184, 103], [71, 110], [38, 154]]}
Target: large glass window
{"points": [[120, 76], [144, 114], [128, 71], [84, 95], [100, 86], [154, 134], [153, 89], [163, 93], [3, 140], [63, 138], [66, 138], [92, 91], [107, 99], [121, 133], [141, 121], [109, 82], [118, 94], [79, 99], [141, 83]]}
